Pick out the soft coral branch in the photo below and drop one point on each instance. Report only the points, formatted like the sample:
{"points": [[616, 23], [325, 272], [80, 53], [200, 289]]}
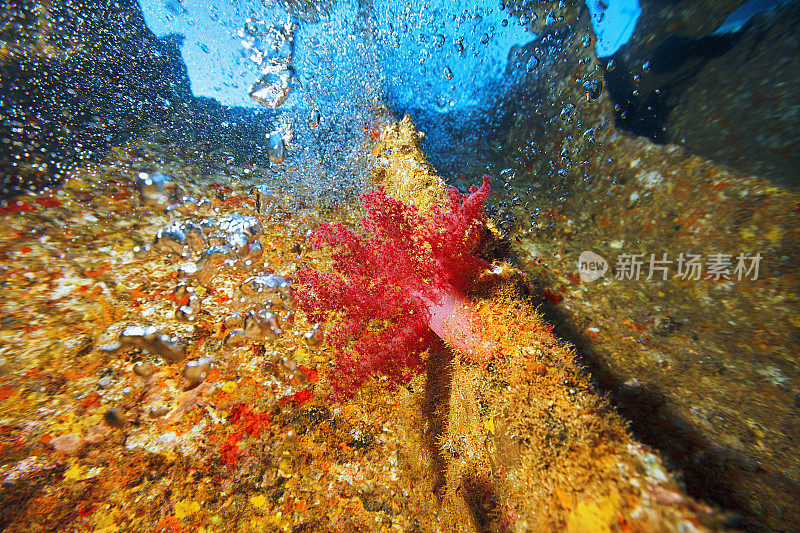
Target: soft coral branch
{"points": [[408, 274]]}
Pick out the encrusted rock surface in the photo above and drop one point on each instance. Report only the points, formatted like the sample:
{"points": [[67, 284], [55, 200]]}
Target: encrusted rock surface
{"points": [[717, 391]]}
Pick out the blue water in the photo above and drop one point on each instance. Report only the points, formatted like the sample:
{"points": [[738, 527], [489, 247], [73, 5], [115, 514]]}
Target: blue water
{"points": [[445, 63], [613, 22], [420, 53]]}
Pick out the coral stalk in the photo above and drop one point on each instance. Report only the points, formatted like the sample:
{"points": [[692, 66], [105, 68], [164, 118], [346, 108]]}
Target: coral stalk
{"points": [[453, 318]]}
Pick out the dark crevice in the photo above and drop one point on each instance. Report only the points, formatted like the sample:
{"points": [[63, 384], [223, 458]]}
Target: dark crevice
{"points": [[708, 473], [435, 409], [642, 106], [482, 503]]}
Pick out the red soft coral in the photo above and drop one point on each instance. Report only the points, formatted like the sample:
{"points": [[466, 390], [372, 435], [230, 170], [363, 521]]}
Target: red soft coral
{"points": [[408, 275]]}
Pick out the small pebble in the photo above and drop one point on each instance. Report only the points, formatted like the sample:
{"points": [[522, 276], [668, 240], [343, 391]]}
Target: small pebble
{"points": [[142, 252], [188, 270], [288, 364], [170, 240], [665, 324], [144, 369], [186, 313], [183, 291], [157, 411], [154, 189], [195, 239], [254, 251], [269, 289], [110, 347], [261, 325], [234, 320], [67, 443], [236, 337]]}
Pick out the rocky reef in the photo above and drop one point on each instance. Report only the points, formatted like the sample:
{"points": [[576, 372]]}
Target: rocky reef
{"points": [[156, 373], [152, 402]]}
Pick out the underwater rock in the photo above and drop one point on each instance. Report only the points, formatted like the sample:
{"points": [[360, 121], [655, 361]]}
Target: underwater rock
{"points": [[276, 148], [236, 337], [185, 313], [155, 189], [194, 303], [273, 88], [144, 369], [314, 336], [68, 443], [233, 320], [217, 239], [579, 188], [115, 418], [741, 108], [170, 240], [239, 243], [22, 481], [96, 433], [151, 340], [142, 252], [212, 259], [189, 270], [183, 292], [562, 428], [24, 468], [194, 237], [665, 324], [268, 289], [158, 410], [251, 254], [288, 365], [262, 325], [287, 318], [196, 371]]}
